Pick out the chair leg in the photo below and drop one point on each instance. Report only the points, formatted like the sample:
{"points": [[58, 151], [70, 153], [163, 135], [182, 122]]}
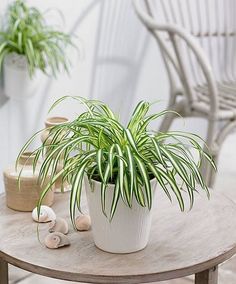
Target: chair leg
{"points": [[177, 108], [212, 172], [166, 122], [207, 170]]}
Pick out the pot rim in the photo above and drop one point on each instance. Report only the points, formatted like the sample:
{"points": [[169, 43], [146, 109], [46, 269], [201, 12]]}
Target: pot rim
{"points": [[55, 120], [26, 158], [112, 184]]}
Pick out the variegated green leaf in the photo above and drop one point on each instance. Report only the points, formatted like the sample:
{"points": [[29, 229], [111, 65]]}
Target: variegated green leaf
{"points": [[96, 144]]}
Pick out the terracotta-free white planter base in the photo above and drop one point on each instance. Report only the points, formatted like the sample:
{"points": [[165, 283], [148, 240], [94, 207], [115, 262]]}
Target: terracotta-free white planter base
{"points": [[129, 229], [17, 82]]}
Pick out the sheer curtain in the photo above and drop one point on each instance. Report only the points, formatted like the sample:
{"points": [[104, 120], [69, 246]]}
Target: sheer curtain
{"points": [[119, 52]]}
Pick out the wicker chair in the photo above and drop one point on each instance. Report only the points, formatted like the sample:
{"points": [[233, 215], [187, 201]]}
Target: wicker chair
{"points": [[198, 42]]}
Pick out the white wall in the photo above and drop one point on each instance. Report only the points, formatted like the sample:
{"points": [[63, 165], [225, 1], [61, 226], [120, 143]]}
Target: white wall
{"points": [[18, 120], [120, 65]]}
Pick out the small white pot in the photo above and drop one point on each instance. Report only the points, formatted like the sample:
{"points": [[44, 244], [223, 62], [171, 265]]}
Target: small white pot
{"points": [[17, 82], [130, 227]]}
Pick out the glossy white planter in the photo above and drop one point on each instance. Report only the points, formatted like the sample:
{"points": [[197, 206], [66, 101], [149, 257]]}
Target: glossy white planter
{"points": [[17, 82], [129, 229]]}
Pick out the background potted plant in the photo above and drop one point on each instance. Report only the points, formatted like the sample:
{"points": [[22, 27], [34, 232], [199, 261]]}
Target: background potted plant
{"points": [[27, 45], [121, 166]]}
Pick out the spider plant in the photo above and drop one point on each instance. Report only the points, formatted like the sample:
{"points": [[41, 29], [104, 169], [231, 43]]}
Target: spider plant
{"points": [[25, 32], [98, 146]]}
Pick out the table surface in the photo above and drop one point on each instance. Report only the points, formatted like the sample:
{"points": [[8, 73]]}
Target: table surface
{"points": [[180, 244]]}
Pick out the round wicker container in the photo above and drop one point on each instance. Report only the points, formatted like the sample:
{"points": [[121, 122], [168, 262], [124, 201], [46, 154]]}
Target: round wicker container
{"points": [[25, 197]]}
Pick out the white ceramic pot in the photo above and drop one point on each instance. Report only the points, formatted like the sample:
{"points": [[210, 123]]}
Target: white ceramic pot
{"points": [[129, 229], [17, 82]]}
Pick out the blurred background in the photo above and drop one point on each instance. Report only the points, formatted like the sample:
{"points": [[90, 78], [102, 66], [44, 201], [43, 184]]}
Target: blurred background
{"points": [[118, 62]]}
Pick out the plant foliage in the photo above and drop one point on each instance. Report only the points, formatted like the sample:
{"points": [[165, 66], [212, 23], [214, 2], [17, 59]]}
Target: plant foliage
{"points": [[25, 32], [97, 145]]}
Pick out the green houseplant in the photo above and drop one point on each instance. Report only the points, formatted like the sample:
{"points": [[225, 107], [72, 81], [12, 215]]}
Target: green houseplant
{"points": [[121, 165], [29, 44]]}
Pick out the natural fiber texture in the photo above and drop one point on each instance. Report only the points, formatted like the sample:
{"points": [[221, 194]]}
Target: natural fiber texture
{"points": [[200, 60]]}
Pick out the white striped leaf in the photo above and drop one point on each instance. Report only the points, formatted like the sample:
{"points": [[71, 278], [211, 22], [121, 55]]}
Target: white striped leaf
{"points": [[146, 180]]}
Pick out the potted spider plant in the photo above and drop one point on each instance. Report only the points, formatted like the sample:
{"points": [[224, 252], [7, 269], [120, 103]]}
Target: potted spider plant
{"points": [[122, 167], [27, 46]]}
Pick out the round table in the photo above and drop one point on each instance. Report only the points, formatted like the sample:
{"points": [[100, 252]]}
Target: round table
{"points": [[180, 244]]}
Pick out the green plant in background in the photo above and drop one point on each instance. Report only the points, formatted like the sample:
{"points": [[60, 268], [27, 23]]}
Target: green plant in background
{"points": [[97, 145], [25, 32]]}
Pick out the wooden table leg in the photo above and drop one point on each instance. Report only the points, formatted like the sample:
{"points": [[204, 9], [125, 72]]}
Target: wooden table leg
{"points": [[3, 272], [207, 277]]}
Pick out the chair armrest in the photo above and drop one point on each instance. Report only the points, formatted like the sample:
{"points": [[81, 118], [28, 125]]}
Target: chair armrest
{"points": [[184, 34]]}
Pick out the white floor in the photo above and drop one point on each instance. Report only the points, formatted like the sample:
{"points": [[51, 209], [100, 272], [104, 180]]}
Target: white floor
{"points": [[226, 182]]}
